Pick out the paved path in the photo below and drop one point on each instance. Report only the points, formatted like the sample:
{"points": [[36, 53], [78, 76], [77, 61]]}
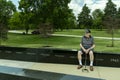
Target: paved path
{"points": [[105, 73], [81, 36], [64, 35], [19, 32]]}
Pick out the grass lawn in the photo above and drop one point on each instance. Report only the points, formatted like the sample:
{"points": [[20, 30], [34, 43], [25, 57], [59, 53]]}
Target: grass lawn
{"points": [[96, 33], [19, 40]]}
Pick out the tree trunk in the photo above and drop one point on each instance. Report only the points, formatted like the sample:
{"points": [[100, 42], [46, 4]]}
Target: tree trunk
{"points": [[112, 38], [27, 29], [0, 38], [0, 35], [101, 27]]}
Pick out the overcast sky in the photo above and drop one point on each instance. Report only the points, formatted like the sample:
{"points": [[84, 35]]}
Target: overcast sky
{"points": [[77, 5]]}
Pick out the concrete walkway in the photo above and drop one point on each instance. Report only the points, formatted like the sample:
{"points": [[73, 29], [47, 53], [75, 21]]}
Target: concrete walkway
{"points": [[104, 73], [19, 32], [64, 35]]}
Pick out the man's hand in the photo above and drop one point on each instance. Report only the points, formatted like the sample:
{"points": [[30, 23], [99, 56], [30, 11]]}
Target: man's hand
{"points": [[84, 50], [87, 51]]}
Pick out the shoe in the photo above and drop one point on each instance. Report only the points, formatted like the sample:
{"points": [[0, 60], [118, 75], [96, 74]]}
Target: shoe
{"points": [[91, 68], [79, 66]]}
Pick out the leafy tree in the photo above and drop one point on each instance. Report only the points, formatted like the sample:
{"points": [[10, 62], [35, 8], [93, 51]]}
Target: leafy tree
{"points": [[97, 18], [58, 13], [118, 17], [110, 9], [71, 22], [26, 13], [84, 18], [118, 13], [110, 20], [15, 21], [7, 8], [63, 19], [55, 12]]}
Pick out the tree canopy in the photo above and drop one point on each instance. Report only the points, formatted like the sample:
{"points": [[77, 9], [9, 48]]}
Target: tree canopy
{"points": [[110, 20], [55, 12], [97, 18], [7, 8], [84, 18], [32, 13]]}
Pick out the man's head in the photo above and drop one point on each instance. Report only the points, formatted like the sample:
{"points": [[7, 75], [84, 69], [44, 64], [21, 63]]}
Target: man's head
{"points": [[87, 32]]}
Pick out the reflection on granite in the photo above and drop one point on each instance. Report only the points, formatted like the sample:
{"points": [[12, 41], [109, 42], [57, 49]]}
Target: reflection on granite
{"points": [[7, 73]]}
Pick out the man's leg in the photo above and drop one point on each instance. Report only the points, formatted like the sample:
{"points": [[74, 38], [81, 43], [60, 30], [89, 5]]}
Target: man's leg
{"points": [[79, 59], [91, 59]]}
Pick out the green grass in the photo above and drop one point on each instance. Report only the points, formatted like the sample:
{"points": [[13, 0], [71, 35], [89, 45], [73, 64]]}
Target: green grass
{"points": [[35, 41], [96, 33]]}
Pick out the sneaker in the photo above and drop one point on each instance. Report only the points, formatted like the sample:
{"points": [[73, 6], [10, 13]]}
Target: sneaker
{"points": [[79, 66], [91, 68]]}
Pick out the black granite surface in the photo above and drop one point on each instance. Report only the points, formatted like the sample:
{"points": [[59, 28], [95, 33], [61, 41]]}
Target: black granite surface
{"points": [[60, 56]]}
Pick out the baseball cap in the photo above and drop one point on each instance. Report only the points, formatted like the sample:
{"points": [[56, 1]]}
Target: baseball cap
{"points": [[87, 31]]}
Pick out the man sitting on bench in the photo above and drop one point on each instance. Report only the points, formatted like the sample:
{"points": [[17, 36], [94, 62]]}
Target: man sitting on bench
{"points": [[87, 45]]}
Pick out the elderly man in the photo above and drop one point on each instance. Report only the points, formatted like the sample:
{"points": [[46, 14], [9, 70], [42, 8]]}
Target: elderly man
{"points": [[87, 45]]}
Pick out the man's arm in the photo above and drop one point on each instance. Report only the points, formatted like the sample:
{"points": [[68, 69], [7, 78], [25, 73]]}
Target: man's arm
{"points": [[92, 47], [82, 47]]}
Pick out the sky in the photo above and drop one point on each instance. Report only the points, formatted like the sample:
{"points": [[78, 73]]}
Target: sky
{"points": [[15, 2], [77, 5]]}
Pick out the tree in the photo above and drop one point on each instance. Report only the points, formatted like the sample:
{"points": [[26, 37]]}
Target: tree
{"points": [[118, 13], [110, 9], [118, 17], [63, 19], [26, 13], [15, 21], [84, 18], [7, 8], [58, 13], [71, 22], [110, 20], [54, 12], [97, 18]]}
